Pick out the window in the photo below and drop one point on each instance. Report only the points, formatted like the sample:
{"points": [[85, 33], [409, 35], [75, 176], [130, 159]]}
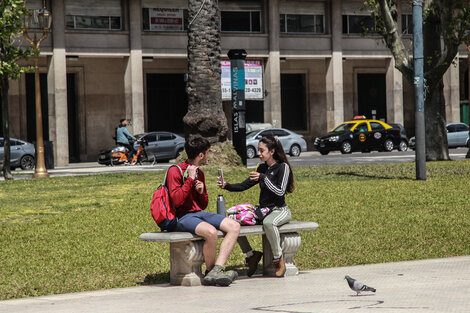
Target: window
{"points": [[165, 136], [407, 24], [280, 133], [165, 19], [266, 133], [362, 127], [451, 129], [92, 14], [376, 126], [93, 22], [461, 127], [150, 137], [241, 21], [358, 24], [302, 23]]}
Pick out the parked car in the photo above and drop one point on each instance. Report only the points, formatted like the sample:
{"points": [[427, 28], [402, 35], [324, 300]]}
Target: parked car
{"points": [[403, 145], [162, 145], [457, 136], [22, 154], [293, 143], [359, 134]]}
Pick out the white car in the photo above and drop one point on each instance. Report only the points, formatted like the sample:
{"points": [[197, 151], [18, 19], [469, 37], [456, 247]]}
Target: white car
{"points": [[292, 143], [457, 136]]}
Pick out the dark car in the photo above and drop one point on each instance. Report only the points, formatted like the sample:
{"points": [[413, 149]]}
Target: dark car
{"points": [[21, 154], [403, 145], [359, 135]]}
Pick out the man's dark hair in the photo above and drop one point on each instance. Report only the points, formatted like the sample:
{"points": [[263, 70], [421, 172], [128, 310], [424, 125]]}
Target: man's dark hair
{"points": [[121, 120], [195, 145]]}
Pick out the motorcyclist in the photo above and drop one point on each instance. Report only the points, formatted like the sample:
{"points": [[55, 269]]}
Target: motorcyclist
{"points": [[122, 138]]}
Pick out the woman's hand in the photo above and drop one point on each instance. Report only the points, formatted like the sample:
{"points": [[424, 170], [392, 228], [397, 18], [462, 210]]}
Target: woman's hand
{"points": [[254, 176], [221, 183]]}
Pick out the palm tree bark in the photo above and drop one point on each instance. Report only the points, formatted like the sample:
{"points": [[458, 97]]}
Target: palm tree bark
{"points": [[205, 113], [4, 85]]}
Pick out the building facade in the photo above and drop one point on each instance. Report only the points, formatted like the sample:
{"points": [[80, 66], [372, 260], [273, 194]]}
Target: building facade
{"points": [[312, 69]]}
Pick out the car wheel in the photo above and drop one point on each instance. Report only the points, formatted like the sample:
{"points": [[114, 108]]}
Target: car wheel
{"points": [[27, 162], [295, 150], [388, 145], [346, 147], [324, 152], [403, 146], [250, 152]]}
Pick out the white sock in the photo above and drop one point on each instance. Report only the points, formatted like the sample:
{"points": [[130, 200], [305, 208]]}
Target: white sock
{"points": [[277, 257], [249, 254]]}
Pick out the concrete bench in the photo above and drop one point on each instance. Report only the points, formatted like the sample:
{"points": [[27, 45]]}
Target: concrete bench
{"points": [[186, 255]]}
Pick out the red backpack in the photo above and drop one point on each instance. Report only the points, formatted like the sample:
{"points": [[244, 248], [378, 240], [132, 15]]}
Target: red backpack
{"points": [[161, 207]]}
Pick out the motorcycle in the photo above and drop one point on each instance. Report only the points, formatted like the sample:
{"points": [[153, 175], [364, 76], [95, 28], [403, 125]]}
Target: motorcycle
{"points": [[119, 155]]}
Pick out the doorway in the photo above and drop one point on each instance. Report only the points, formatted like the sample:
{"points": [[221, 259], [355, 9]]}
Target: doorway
{"points": [[371, 96], [293, 101], [73, 135], [167, 102]]}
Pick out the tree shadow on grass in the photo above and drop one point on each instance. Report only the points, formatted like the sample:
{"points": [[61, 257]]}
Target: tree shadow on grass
{"points": [[353, 174]]}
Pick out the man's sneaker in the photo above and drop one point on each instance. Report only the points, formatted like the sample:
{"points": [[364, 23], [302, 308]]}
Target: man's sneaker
{"points": [[252, 262], [233, 275], [279, 267], [217, 276]]}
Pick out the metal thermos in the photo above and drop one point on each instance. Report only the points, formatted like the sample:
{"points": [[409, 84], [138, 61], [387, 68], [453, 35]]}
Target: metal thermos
{"points": [[221, 205]]}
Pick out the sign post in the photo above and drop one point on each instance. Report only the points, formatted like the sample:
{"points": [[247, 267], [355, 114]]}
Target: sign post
{"points": [[237, 73]]}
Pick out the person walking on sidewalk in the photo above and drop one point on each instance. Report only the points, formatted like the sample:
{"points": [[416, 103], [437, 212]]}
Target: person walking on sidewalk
{"points": [[189, 196], [275, 179]]}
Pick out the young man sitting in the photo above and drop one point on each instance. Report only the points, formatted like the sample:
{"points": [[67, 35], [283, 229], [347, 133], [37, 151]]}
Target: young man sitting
{"points": [[190, 199]]}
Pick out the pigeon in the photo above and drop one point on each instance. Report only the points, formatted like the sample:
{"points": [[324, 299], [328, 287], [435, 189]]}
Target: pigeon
{"points": [[357, 286]]}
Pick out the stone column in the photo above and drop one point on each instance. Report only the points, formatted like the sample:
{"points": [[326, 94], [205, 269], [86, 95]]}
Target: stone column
{"points": [[57, 88], [133, 77], [394, 87], [272, 101], [186, 259], [451, 93], [334, 70]]}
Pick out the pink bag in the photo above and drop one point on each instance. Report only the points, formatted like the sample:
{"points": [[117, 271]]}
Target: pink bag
{"points": [[245, 214]]}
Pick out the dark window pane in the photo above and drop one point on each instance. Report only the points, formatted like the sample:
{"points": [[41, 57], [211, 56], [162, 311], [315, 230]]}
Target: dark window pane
{"points": [[151, 137], [362, 127], [345, 24], [255, 22], [319, 28], [2, 142], [407, 23], [115, 22], [283, 23], [69, 21], [359, 24], [280, 133], [300, 23], [235, 21], [376, 126], [145, 19]]}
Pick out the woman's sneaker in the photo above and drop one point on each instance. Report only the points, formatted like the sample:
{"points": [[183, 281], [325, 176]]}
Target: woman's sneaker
{"points": [[279, 267], [252, 262], [217, 276]]}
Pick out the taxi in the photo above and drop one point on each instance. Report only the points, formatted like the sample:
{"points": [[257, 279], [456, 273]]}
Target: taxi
{"points": [[360, 134]]}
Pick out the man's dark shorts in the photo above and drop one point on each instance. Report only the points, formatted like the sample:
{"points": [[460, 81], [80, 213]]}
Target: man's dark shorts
{"points": [[189, 221]]}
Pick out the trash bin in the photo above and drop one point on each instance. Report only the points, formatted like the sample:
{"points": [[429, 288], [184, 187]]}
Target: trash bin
{"points": [[48, 154]]}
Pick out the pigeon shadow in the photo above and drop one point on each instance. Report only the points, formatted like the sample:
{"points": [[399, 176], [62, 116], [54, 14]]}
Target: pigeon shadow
{"points": [[368, 295]]}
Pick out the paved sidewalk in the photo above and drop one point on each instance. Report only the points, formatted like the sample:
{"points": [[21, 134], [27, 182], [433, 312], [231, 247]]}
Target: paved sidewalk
{"points": [[438, 285]]}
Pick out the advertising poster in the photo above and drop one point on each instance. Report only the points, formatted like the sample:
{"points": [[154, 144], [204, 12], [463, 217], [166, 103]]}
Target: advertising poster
{"points": [[166, 19], [253, 80]]}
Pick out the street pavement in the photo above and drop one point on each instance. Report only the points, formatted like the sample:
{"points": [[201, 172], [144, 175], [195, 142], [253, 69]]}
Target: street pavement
{"points": [[437, 285]]}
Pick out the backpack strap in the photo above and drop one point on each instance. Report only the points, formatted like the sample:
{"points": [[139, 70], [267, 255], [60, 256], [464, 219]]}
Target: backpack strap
{"points": [[181, 171]]}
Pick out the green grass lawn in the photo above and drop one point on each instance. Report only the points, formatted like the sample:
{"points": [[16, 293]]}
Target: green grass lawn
{"points": [[80, 233]]}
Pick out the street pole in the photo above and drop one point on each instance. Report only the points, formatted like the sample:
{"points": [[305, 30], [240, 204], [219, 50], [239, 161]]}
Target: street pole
{"points": [[43, 21], [237, 74], [419, 89]]}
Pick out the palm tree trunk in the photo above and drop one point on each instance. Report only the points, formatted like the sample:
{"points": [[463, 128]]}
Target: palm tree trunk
{"points": [[4, 85], [205, 114]]}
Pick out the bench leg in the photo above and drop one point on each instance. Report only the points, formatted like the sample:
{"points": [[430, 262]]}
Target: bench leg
{"points": [[186, 259], [290, 243]]}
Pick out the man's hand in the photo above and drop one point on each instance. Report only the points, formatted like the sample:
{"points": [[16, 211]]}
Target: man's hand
{"points": [[192, 171], [254, 176], [199, 187]]}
